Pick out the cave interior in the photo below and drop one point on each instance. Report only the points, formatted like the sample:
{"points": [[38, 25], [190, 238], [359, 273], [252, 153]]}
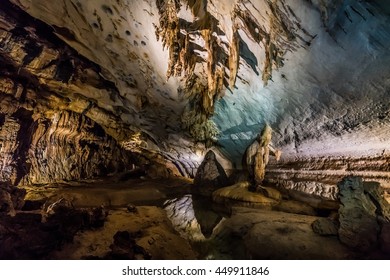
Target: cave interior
{"points": [[194, 129]]}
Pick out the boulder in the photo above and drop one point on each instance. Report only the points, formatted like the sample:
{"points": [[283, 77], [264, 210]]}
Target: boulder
{"points": [[359, 228], [96, 216], [210, 175]]}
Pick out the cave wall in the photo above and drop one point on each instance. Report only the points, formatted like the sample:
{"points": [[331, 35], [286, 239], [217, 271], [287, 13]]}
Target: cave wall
{"points": [[65, 146], [49, 130], [181, 71], [330, 97]]}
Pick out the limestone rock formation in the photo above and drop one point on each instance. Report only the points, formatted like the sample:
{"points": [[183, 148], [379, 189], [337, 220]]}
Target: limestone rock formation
{"points": [[306, 179], [232, 67], [256, 156], [55, 104], [210, 175], [63, 146], [47, 132], [92, 88], [362, 214]]}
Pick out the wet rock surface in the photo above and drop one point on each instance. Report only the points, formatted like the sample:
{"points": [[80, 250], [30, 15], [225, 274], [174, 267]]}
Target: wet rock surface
{"points": [[60, 227], [191, 218], [240, 193], [190, 227], [33, 231]]}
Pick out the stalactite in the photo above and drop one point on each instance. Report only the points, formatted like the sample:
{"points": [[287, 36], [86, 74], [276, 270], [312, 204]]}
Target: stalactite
{"points": [[280, 37], [215, 73], [182, 60], [194, 118], [169, 32], [234, 56]]}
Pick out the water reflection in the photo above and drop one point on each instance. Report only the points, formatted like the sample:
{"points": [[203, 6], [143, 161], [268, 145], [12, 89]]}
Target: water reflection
{"points": [[182, 215], [198, 220], [192, 216]]}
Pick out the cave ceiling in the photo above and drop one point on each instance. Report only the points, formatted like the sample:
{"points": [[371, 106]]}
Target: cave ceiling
{"points": [[186, 75]]}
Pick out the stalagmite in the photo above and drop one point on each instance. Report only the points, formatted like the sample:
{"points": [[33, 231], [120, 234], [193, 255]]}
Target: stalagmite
{"points": [[256, 156]]}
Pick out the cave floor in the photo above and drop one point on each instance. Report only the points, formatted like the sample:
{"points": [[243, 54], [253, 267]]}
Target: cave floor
{"points": [[172, 223], [149, 223]]}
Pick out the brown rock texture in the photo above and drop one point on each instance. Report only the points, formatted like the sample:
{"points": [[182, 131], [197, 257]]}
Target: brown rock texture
{"points": [[261, 234], [239, 192], [48, 110], [63, 146], [210, 175], [362, 213]]}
